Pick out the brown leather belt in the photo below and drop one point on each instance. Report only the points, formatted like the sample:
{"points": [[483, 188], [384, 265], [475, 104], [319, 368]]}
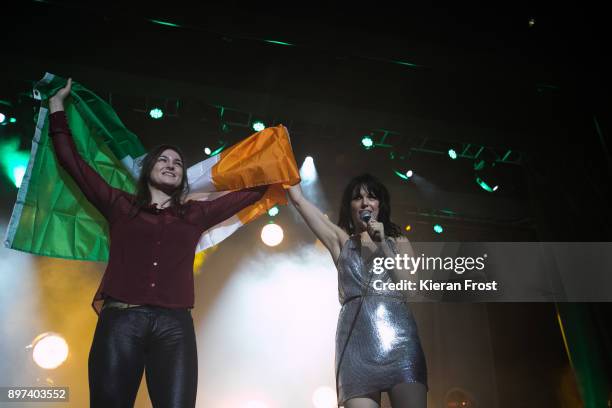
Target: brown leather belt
{"points": [[117, 304]]}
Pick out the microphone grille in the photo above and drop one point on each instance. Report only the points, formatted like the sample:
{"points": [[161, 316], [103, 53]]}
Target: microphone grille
{"points": [[365, 216]]}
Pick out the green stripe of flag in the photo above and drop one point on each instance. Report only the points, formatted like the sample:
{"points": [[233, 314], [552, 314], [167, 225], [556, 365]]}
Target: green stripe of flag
{"points": [[51, 216]]}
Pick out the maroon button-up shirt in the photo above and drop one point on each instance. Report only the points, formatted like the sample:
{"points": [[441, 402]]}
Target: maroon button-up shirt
{"points": [[151, 254]]}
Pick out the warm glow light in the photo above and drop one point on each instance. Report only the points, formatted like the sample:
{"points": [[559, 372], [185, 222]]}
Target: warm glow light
{"points": [[50, 350], [258, 297], [272, 235]]}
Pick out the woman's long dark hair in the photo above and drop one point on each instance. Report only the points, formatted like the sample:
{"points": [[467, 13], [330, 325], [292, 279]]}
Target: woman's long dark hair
{"points": [[143, 194], [372, 185]]}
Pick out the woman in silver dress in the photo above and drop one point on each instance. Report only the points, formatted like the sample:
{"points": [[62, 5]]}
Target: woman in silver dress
{"points": [[377, 343]]}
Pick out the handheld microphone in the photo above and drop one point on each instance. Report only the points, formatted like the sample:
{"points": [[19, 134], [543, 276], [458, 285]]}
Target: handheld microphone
{"points": [[365, 216]]}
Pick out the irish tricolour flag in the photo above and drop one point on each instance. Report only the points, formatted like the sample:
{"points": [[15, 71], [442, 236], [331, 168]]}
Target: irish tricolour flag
{"points": [[51, 217]]}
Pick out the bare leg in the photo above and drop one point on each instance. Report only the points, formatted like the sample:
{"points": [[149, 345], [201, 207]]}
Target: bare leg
{"points": [[367, 401], [408, 395]]}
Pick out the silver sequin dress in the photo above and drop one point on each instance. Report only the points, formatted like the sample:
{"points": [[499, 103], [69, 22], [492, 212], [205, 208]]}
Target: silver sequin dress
{"points": [[383, 347]]}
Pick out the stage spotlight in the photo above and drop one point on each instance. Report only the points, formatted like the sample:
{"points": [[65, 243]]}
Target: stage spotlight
{"points": [[18, 173], [13, 162], [13, 120], [49, 350], [278, 42], [438, 229], [208, 151], [487, 175], [404, 175], [452, 154], [164, 23], [408, 227], [367, 142], [258, 126], [156, 113], [485, 186], [272, 234], [273, 212], [218, 150], [308, 172], [324, 397], [2, 118]]}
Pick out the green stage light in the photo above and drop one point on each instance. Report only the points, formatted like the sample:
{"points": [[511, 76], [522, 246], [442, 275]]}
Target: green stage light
{"points": [[218, 150], [400, 174], [156, 113], [272, 212], [438, 229], [12, 120], [13, 161], [164, 23], [485, 186], [278, 42], [367, 142], [404, 175], [258, 126], [18, 173], [452, 154]]}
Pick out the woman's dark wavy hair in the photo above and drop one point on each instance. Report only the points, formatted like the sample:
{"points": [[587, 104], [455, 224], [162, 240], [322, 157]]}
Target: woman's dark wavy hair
{"points": [[143, 194], [372, 185]]}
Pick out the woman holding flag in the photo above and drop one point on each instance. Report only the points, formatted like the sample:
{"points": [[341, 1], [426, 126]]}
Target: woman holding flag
{"points": [[377, 343], [147, 290]]}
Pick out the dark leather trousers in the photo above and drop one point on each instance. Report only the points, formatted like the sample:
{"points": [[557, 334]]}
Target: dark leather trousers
{"points": [[155, 340]]}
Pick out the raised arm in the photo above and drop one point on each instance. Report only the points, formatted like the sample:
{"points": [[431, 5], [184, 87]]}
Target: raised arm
{"points": [[218, 210], [91, 184], [329, 233]]}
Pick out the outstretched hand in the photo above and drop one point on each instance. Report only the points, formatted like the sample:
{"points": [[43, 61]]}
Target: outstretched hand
{"points": [[56, 102]]}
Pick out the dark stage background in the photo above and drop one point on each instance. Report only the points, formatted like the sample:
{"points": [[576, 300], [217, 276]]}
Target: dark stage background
{"points": [[524, 86]]}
